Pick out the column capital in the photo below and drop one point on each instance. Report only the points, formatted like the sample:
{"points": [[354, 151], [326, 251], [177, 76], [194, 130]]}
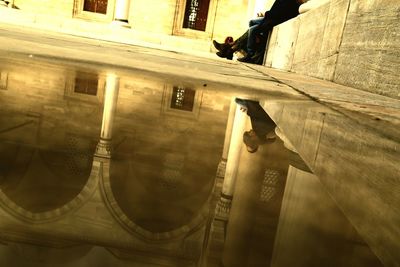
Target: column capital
{"points": [[223, 208], [103, 149], [221, 169]]}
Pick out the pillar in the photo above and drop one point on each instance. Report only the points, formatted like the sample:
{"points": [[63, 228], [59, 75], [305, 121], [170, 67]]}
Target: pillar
{"points": [[121, 14], [235, 145], [103, 148], [228, 134], [255, 210], [242, 212]]}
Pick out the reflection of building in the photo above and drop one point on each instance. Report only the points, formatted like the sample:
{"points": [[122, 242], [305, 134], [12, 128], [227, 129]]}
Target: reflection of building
{"points": [[149, 201]]}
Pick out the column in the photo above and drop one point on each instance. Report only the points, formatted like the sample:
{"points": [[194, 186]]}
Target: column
{"points": [[121, 14], [236, 142], [255, 211], [103, 148], [238, 239], [228, 135]]}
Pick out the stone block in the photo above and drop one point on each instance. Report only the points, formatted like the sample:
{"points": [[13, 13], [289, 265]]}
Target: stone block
{"points": [[369, 56], [287, 33], [334, 27], [317, 45], [309, 41], [326, 67], [270, 50]]}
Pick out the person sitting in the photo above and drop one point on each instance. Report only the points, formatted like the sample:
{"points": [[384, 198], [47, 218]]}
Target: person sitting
{"points": [[281, 11], [230, 46]]}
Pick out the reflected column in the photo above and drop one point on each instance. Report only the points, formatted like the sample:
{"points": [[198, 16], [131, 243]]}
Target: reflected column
{"points": [[235, 145], [228, 134], [103, 148], [242, 215], [255, 210]]}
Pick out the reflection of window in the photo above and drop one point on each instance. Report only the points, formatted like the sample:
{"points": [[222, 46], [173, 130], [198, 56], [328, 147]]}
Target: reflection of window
{"points": [[181, 101], [196, 14], [182, 98], [96, 6], [86, 85]]}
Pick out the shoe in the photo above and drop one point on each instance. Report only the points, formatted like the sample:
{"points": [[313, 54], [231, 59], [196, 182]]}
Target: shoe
{"points": [[241, 102], [226, 53], [246, 59], [218, 46]]}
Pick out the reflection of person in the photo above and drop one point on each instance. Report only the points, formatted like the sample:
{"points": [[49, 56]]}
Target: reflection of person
{"points": [[263, 126]]}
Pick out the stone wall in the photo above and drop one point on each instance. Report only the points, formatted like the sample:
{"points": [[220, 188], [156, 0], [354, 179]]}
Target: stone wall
{"points": [[61, 8], [157, 17], [349, 42], [154, 16]]}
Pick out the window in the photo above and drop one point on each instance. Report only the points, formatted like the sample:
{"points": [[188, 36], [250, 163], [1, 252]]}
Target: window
{"points": [[96, 10], [196, 14], [96, 6]]}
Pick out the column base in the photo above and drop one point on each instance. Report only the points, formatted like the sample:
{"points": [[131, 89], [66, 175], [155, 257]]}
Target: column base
{"points": [[103, 149], [121, 23], [223, 208]]}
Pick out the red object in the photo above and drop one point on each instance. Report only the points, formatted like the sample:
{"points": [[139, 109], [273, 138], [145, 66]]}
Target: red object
{"points": [[228, 40]]}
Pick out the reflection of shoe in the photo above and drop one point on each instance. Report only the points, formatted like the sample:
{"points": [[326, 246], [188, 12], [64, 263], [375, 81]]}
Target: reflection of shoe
{"points": [[241, 102]]}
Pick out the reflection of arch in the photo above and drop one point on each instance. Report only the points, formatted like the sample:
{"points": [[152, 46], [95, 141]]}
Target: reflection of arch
{"points": [[131, 226], [38, 217]]}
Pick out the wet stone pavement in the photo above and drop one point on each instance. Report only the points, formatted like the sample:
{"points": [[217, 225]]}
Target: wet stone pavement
{"points": [[109, 156]]}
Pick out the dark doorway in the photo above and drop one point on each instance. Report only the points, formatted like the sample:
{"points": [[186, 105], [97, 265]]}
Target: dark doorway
{"points": [[96, 6], [196, 14]]}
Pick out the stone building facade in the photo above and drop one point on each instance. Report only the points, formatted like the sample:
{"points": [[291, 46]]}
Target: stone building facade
{"points": [[199, 19]]}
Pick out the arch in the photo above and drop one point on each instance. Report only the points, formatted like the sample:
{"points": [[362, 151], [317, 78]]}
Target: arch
{"points": [[134, 228], [23, 214]]}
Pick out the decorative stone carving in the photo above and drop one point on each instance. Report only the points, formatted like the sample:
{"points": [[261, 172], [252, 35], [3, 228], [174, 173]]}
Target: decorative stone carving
{"points": [[221, 169], [223, 208], [103, 149]]}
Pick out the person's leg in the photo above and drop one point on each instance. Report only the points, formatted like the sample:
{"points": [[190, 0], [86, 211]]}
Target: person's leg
{"points": [[252, 41], [255, 21], [241, 42]]}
